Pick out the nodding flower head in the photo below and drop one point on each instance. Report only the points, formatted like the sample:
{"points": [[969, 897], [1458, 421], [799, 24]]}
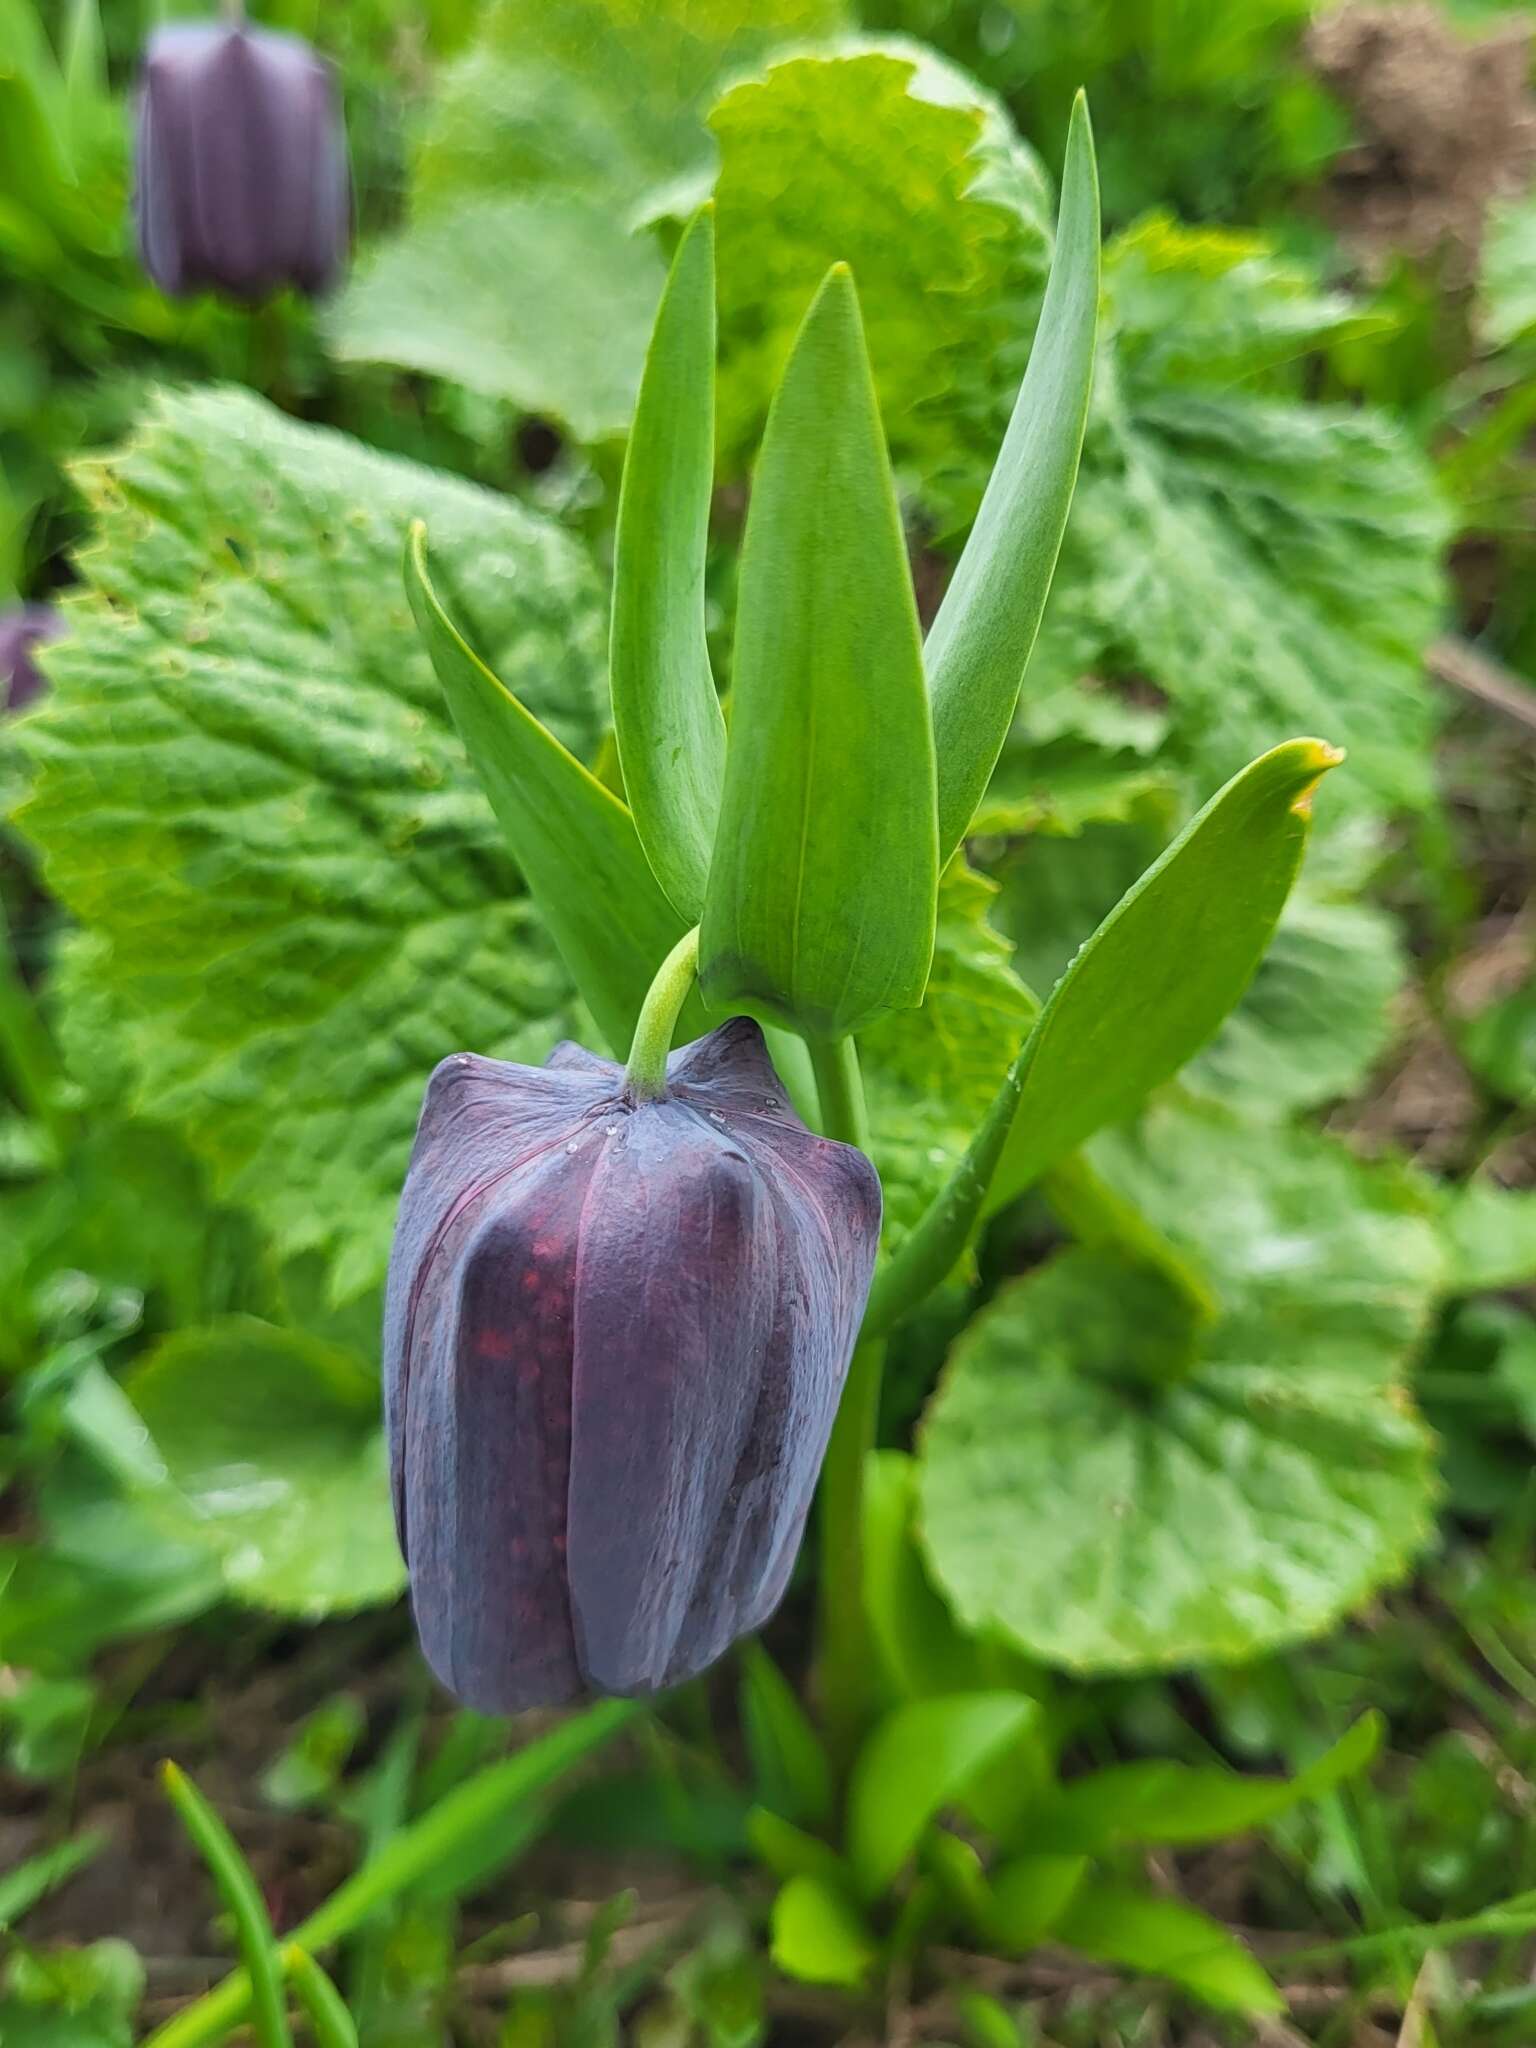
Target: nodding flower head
{"points": [[616, 1335], [241, 183], [23, 628]]}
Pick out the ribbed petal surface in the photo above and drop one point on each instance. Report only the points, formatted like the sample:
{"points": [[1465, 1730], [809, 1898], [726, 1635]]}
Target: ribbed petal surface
{"points": [[615, 1341]]}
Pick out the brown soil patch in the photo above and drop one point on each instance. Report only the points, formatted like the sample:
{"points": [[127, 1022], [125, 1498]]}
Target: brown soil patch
{"points": [[1446, 124]]}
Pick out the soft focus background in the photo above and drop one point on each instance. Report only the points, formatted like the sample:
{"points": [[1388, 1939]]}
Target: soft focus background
{"points": [[251, 895]]}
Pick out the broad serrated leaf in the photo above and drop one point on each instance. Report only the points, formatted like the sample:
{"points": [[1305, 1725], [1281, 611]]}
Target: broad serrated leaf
{"points": [[820, 906], [249, 792], [818, 158], [520, 272], [1271, 566], [1105, 1522], [575, 843], [274, 1449], [666, 715]]}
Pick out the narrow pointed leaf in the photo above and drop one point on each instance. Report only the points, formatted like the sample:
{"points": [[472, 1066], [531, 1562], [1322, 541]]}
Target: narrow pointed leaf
{"points": [[821, 899], [243, 1901], [1143, 995], [981, 639], [919, 1759], [665, 711], [1167, 964], [1116, 1922], [574, 841], [1162, 1802]]}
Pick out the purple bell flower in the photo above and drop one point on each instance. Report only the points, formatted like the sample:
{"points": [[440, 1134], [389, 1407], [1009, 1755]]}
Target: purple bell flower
{"points": [[616, 1335], [241, 182], [21, 629]]}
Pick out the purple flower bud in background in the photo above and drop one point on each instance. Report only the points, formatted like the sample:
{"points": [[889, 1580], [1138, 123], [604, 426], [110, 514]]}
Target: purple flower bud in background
{"points": [[615, 1338], [22, 629], [241, 182]]}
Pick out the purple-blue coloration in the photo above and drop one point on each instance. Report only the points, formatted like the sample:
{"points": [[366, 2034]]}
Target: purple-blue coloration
{"points": [[241, 182], [21, 629], [615, 1339]]}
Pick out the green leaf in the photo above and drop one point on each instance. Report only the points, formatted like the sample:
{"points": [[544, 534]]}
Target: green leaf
{"points": [[298, 899], [791, 1774], [922, 1650], [919, 1759], [328, 2016], [1146, 990], [520, 273], [666, 715], [72, 1997], [1106, 1523], [1499, 1044], [544, 300], [980, 640], [25, 1883], [819, 1937], [273, 1445], [1212, 306], [790, 1852], [930, 1074], [1507, 288], [1490, 1237], [1164, 968], [1318, 1013], [1121, 1923], [243, 1902], [505, 1796], [575, 843], [820, 907], [818, 157], [1027, 1897], [1271, 567], [1126, 1805]]}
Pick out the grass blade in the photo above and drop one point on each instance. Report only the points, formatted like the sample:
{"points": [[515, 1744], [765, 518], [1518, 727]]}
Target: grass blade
{"points": [[242, 1895]]}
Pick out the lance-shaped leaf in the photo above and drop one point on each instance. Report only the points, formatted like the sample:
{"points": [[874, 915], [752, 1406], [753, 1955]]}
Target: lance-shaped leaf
{"points": [[821, 899], [1144, 994], [981, 639], [665, 711], [574, 841]]}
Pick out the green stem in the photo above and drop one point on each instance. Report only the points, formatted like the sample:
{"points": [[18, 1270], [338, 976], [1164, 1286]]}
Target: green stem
{"points": [[1096, 1215], [647, 1071], [840, 1090], [27, 1056], [844, 1651], [927, 1254]]}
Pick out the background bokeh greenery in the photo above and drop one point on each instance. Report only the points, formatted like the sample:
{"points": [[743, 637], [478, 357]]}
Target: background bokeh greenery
{"points": [[253, 894]]}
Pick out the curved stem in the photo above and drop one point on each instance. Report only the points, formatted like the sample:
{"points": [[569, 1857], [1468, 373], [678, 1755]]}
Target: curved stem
{"points": [[843, 1650], [647, 1070], [840, 1090]]}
